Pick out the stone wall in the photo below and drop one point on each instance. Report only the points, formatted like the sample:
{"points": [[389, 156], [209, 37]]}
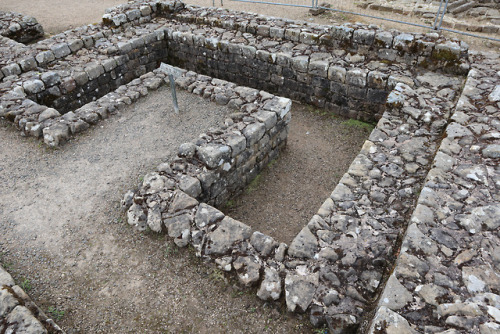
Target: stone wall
{"points": [[303, 62], [401, 199], [18, 313], [448, 271], [21, 28]]}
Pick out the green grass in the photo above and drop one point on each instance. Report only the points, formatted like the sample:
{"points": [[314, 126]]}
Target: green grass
{"points": [[254, 184], [218, 275], [25, 285], [55, 313], [171, 249], [272, 163], [358, 124]]}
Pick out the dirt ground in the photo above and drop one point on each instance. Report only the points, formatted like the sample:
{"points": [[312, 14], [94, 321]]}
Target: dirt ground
{"points": [[57, 16], [290, 191], [63, 236]]}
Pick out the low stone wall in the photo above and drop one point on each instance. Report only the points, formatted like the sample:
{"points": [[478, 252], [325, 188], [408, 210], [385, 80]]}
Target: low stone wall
{"points": [[448, 270], [89, 62], [213, 169], [341, 262], [325, 269], [21, 28], [18, 313]]}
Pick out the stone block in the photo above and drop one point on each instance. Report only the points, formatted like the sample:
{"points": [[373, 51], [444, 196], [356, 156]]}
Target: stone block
{"points": [[357, 77], [60, 50], [363, 36], [11, 69]]}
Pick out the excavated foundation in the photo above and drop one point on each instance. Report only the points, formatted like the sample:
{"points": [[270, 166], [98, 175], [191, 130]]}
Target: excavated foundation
{"points": [[394, 246]]}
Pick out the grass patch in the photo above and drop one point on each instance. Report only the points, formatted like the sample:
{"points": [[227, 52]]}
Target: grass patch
{"points": [[359, 124], [272, 163], [230, 204], [171, 249], [254, 184], [55, 313], [26, 285]]}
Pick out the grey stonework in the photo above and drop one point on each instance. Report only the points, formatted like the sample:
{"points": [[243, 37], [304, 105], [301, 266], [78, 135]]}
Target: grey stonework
{"points": [[21, 28], [18, 313], [448, 264], [440, 196]]}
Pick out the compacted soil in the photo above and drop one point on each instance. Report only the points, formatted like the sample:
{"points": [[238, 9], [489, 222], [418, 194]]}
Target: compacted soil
{"points": [[282, 200], [65, 240]]}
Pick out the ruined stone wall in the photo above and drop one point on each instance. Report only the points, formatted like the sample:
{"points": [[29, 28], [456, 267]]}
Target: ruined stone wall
{"points": [[18, 313], [338, 265], [448, 269], [299, 61], [21, 28]]}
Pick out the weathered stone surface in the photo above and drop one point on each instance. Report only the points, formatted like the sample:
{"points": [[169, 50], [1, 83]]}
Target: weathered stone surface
{"points": [[48, 113], [190, 185], [492, 151], [254, 132], [7, 302], [51, 78], [213, 155], [5, 278], [228, 233], [300, 288], [187, 150], [154, 218], [247, 269], [262, 243], [56, 134], [480, 279], [270, 288], [179, 228], [395, 295], [33, 86], [388, 321], [182, 201], [304, 245], [207, 215], [21, 320], [136, 217]]}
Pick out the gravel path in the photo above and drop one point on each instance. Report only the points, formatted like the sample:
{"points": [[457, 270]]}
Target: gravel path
{"points": [[62, 231]]}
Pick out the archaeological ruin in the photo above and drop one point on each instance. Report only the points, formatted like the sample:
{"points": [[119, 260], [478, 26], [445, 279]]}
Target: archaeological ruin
{"points": [[407, 242]]}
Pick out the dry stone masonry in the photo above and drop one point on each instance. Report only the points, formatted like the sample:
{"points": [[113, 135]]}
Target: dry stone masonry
{"points": [[21, 28], [18, 313], [408, 240], [447, 274]]}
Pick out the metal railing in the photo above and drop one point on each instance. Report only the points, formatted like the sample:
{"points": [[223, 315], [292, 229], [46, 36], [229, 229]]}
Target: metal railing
{"points": [[351, 8]]}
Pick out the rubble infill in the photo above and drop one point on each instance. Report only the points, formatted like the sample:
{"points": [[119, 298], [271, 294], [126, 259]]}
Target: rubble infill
{"points": [[18, 313], [447, 275]]}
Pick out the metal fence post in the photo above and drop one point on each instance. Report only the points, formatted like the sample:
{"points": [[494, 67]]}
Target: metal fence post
{"points": [[442, 16], [437, 15]]}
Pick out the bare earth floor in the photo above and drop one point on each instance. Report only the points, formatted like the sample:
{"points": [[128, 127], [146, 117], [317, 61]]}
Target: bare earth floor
{"points": [[62, 231], [282, 200]]}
